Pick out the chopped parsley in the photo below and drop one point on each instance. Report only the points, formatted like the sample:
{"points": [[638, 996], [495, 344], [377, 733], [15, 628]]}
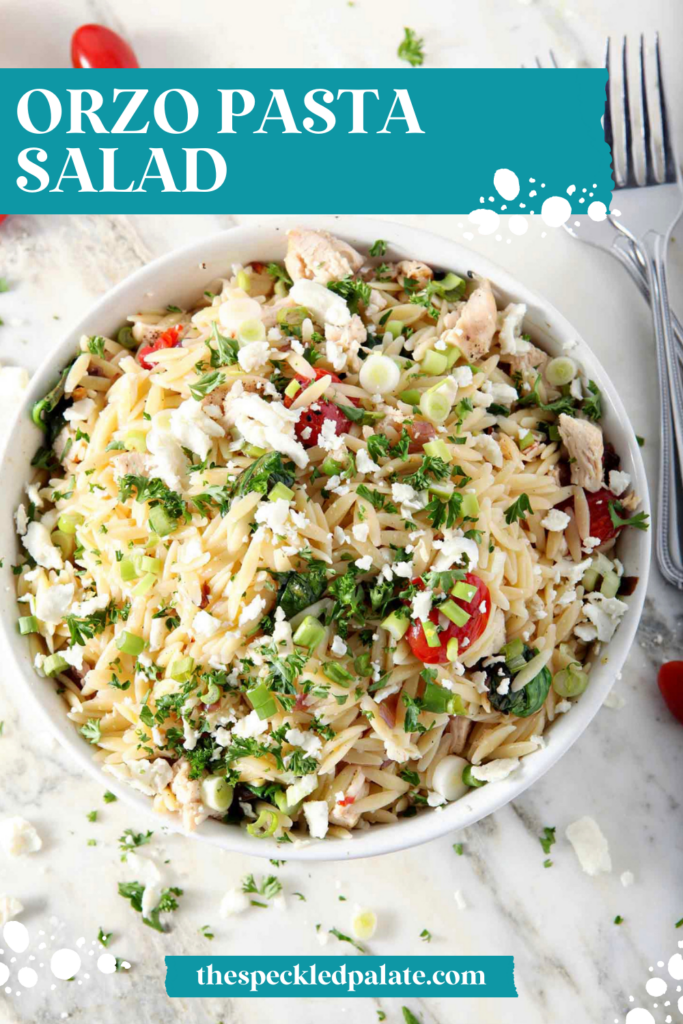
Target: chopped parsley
{"points": [[104, 937], [206, 384], [353, 289], [346, 938], [96, 346], [639, 521], [426, 935], [548, 838], [91, 730], [411, 49], [518, 509], [109, 798], [378, 248], [167, 903]]}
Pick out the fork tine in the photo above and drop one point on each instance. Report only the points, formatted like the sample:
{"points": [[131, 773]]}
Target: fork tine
{"points": [[630, 175], [607, 120], [538, 63], [650, 176], [669, 155], [553, 59]]}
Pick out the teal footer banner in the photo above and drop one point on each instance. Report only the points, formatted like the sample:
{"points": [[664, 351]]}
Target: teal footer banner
{"points": [[340, 977]]}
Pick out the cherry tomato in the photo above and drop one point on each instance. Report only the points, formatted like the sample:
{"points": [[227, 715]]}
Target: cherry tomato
{"points": [[671, 687], [305, 382], [310, 423], [169, 339], [94, 46], [3, 216], [601, 525], [471, 631]]}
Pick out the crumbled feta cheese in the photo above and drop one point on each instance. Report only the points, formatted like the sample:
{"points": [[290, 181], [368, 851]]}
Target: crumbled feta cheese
{"points": [[459, 900], [422, 605], [308, 741], [326, 306], [627, 879], [590, 543], [364, 563], [502, 394], [406, 495], [463, 376], [204, 625], [489, 448], [38, 543], [169, 461], [575, 389], [404, 570], [267, 425], [338, 646], [18, 837], [52, 603], [250, 726], [316, 813], [495, 771], [555, 521], [253, 355], [614, 700], [80, 410], [252, 610], [605, 613], [234, 902], [21, 520], [328, 438], [618, 481], [510, 327], [193, 429], [590, 846], [435, 799], [150, 777], [364, 464], [273, 514], [454, 549], [503, 686], [586, 632], [562, 707], [360, 531]]}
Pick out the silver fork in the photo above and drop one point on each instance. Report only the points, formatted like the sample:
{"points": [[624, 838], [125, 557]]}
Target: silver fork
{"points": [[605, 236], [649, 210]]}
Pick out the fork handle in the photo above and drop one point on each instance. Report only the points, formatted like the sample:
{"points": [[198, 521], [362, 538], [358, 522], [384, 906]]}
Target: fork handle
{"points": [[670, 504], [638, 273]]}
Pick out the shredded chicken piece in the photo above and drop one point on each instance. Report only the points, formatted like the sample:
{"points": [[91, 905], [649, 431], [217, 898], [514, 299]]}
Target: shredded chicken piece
{"points": [[419, 272], [584, 443], [135, 463], [320, 257], [460, 730], [343, 344], [533, 359], [477, 324], [188, 794]]}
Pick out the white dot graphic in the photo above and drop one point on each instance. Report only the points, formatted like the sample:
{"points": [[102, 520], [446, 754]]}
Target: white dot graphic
{"points": [[655, 987], [597, 211], [518, 225], [487, 220], [639, 1016], [571, 190], [4, 973], [556, 211], [15, 935], [676, 967], [506, 184], [65, 963], [107, 963], [680, 1004], [27, 977]]}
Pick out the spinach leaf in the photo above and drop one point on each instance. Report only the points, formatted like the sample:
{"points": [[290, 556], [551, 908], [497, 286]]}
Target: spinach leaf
{"points": [[262, 475], [48, 413], [298, 590], [524, 702]]}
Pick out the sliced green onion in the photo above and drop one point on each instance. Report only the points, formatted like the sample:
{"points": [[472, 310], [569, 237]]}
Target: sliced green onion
{"points": [[135, 441], [265, 825], [553, 432], [438, 449], [362, 665], [338, 674], [262, 701], [560, 371], [281, 289], [512, 649], [379, 374], [309, 632], [28, 624], [293, 389], [148, 564], [396, 624], [64, 541], [610, 584], [161, 522], [281, 493], [244, 281], [293, 316], [570, 681], [469, 779], [394, 328], [526, 442], [441, 701], [442, 488], [454, 612], [436, 403], [434, 363], [431, 633], [331, 467], [216, 793], [470, 506], [128, 569], [251, 330], [452, 649], [253, 451], [145, 585], [465, 591], [68, 521], [182, 669], [130, 643], [590, 578], [54, 664], [125, 337], [411, 397], [453, 353]]}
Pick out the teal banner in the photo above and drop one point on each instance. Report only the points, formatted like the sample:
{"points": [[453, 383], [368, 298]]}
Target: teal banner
{"points": [[260, 141], [337, 977]]}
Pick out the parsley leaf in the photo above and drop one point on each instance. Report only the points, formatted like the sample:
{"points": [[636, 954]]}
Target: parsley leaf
{"points": [[410, 48], [225, 352], [206, 384], [592, 405], [96, 346], [133, 891], [91, 730], [547, 839], [378, 248], [279, 273], [354, 290], [639, 521], [518, 509]]}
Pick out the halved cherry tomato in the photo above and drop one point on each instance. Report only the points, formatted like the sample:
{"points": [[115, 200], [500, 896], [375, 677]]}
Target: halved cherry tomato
{"points": [[600, 521], [671, 687], [169, 339], [311, 420], [465, 635], [306, 382], [94, 46]]}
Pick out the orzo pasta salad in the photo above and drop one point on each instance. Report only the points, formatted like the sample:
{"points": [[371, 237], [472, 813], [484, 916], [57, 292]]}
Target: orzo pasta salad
{"points": [[331, 547]]}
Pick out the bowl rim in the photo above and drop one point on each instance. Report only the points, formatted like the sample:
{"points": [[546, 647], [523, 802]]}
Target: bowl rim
{"points": [[415, 243]]}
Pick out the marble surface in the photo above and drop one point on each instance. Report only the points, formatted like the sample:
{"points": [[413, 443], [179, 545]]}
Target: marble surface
{"points": [[572, 963]]}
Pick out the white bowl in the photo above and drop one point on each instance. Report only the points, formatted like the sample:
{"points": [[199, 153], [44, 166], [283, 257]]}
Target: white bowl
{"points": [[180, 278]]}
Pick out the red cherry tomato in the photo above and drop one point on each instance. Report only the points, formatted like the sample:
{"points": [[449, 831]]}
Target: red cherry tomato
{"points": [[601, 524], [94, 46], [671, 687], [310, 423], [169, 339], [471, 631], [305, 382], [3, 216]]}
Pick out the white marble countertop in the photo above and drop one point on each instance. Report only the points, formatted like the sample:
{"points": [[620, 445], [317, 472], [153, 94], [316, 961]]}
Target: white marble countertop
{"points": [[572, 963]]}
